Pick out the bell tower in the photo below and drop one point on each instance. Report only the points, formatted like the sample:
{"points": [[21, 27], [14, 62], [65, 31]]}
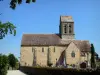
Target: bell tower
{"points": [[66, 27]]}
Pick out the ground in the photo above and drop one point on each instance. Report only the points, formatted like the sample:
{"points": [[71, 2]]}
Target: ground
{"points": [[15, 72]]}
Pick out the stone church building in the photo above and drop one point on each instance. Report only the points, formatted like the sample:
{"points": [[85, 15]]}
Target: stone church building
{"points": [[55, 49]]}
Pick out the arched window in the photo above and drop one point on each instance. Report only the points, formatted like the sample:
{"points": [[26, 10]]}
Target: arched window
{"points": [[73, 54], [54, 49], [70, 31], [64, 28], [25, 63], [42, 49]]}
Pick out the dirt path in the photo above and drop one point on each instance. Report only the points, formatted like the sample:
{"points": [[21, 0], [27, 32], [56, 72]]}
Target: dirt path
{"points": [[15, 72]]}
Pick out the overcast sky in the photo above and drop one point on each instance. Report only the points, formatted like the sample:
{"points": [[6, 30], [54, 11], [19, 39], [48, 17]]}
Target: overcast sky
{"points": [[43, 17]]}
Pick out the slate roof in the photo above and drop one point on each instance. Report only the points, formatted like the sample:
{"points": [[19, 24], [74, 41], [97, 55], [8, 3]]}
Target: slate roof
{"points": [[51, 40]]}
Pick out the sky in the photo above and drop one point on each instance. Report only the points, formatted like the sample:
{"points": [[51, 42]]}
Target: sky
{"points": [[43, 17]]}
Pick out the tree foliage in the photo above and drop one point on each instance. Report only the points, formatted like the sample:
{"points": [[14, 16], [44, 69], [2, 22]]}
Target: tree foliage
{"points": [[3, 64], [93, 65], [5, 61], [5, 28], [12, 60], [13, 3], [17, 66]]}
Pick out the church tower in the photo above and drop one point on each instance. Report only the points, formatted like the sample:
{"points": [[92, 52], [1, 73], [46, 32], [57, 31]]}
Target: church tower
{"points": [[66, 27]]}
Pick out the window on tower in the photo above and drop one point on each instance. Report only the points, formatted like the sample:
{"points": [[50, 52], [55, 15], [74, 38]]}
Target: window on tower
{"points": [[70, 31], [65, 29]]}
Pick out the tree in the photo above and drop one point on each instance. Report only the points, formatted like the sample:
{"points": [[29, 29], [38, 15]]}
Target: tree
{"points": [[17, 64], [12, 60], [13, 3], [3, 64], [93, 65], [16, 59], [5, 28]]}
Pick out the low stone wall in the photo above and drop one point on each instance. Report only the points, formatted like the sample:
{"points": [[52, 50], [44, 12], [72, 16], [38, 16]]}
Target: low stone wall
{"points": [[57, 71]]}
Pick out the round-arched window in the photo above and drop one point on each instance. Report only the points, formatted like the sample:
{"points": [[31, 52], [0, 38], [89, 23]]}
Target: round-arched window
{"points": [[70, 27], [73, 54]]}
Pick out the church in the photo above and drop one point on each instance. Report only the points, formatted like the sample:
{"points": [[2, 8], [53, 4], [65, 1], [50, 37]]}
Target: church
{"points": [[55, 50]]}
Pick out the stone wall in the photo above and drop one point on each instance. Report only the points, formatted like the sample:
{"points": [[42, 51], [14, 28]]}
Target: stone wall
{"points": [[26, 55], [41, 57], [41, 53], [72, 60]]}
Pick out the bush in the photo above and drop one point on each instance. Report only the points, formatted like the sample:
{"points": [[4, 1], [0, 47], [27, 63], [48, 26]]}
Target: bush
{"points": [[17, 66], [12, 60], [3, 64], [3, 71]]}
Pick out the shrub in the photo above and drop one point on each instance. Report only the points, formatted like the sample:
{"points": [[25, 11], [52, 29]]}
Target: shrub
{"points": [[3, 71], [3, 64]]}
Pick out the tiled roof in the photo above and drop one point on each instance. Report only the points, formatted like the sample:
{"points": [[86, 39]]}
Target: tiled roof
{"points": [[51, 40], [40, 39], [83, 45]]}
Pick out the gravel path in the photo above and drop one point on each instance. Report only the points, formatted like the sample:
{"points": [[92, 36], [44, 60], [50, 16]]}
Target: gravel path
{"points": [[15, 72]]}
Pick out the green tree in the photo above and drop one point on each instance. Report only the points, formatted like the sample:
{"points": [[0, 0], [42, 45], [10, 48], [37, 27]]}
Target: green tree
{"points": [[16, 59], [13, 3], [93, 65], [17, 64], [12, 60], [3, 64], [6, 28]]}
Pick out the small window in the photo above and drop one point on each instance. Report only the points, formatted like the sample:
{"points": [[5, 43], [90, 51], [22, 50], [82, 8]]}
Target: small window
{"points": [[54, 49], [65, 29], [42, 49], [73, 54], [25, 63], [70, 26], [70, 31]]}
